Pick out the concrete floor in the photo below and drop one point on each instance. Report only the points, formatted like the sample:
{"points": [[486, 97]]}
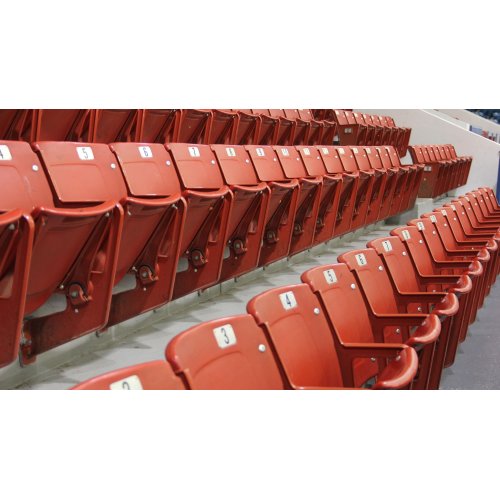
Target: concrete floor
{"points": [[145, 339]]}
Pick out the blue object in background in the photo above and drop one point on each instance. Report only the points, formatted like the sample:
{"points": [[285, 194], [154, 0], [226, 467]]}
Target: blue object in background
{"points": [[498, 181]]}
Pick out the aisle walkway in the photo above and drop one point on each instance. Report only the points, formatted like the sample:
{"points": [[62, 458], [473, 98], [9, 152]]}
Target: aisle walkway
{"points": [[477, 365]]}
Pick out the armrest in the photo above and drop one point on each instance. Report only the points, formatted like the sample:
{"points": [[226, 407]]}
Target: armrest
{"points": [[10, 217], [399, 373], [77, 213], [223, 191], [154, 202], [453, 264], [439, 279], [429, 326]]}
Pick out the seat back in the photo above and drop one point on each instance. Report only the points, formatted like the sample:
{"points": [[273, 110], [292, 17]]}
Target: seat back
{"points": [[228, 353], [23, 183], [346, 158], [291, 162], [81, 173], [155, 375], [331, 159], [117, 125], [311, 159], [196, 166], [394, 157], [361, 158], [305, 114], [373, 278], [415, 245], [266, 163], [17, 124], [293, 319], [235, 164], [160, 125], [148, 169], [431, 237], [417, 154], [64, 125], [340, 117], [342, 300], [396, 259], [378, 158]]}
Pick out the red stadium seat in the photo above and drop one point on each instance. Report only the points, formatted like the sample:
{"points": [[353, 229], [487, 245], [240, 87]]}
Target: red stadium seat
{"points": [[450, 271], [248, 128], [379, 182], [409, 190], [64, 125], [155, 375], [440, 175], [302, 128], [343, 302], [160, 125], [365, 186], [320, 131], [330, 192], [452, 235], [248, 212], [350, 181], [207, 126], [228, 353], [152, 229], [405, 278], [286, 127], [441, 254], [282, 204], [208, 208], [350, 133], [379, 159], [16, 242], [384, 298], [310, 356], [17, 125], [77, 232], [309, 198], [116, 125], [267, 133]]}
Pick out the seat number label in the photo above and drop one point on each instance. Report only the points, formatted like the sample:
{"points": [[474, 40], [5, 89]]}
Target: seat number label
{"points": [[230, 152], [355, 150], [288, 300], [225, 336], [5, 153], [307, 151], [85, 153], [194, 151], [444, 212], [325, 151], [387, 245], [427, 169], [433, 218], [420, 226], [361, 259], [260, 152], [285, 152], [341, 151], [330, 276], [406, 234], [145, 152], [454, 208], [132, 383]]}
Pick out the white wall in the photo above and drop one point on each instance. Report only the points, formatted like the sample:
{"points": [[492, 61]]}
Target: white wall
{"points": [[431, 127], [472, 119]]}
